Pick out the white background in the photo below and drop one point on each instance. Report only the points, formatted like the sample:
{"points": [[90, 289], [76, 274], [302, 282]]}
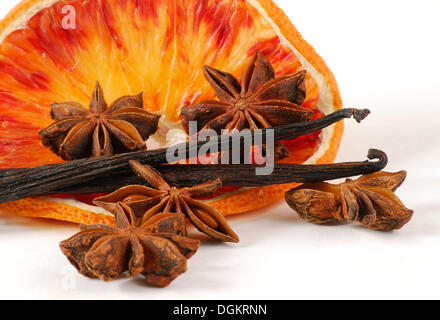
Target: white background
{"points": [[385, 55]]}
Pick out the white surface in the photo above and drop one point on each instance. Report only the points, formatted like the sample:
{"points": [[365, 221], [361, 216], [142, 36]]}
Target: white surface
{"points": [[385, 56]]}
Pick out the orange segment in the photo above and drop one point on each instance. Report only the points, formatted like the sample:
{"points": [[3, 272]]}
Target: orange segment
{"points": [[155, 46], [143, 36]]}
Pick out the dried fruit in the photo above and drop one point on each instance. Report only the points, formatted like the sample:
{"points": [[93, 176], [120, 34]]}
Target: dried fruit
{"points": [[157, 249], [133, 46], [101, 130], [262, 101], [148, 202], [369, 200]]}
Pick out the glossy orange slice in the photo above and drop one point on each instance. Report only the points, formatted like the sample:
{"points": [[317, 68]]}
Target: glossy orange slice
{"points": [[54, 51]]}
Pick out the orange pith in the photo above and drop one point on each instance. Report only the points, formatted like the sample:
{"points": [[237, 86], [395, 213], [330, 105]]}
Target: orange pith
{"points": [[155, 46]]}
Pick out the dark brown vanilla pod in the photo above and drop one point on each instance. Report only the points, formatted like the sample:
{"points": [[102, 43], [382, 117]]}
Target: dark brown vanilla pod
{"points": [[16, 184], [233, 175]]}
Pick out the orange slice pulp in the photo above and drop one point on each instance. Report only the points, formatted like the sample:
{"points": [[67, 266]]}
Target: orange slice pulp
{"points": [[55, 51]]}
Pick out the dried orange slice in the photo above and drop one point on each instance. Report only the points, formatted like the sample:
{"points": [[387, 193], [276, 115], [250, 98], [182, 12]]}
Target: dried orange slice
{"points": [[54, 51]]}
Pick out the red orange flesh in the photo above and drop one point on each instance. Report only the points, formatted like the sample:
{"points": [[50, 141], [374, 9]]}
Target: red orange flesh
{"points": [[155, 46]]}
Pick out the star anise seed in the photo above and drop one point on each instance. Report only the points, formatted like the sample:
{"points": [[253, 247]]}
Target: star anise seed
{"points": [[369, 200], [157, 249], [101, 130], [147, 202], [261, 101]]}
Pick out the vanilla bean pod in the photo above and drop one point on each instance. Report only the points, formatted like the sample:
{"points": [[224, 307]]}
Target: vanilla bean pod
{"points": [[239, 175], [16, 184]]}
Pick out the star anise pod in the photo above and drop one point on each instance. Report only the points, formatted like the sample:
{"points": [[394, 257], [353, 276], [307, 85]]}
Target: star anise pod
{"points": [[369, 200], [148, 202], [157, 249], [101, 130], [261, 101]]}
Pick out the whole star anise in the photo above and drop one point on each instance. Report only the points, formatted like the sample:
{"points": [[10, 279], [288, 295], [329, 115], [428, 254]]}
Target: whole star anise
{"points": [[261, 101], [80, 133], [369, 200], [147, 202], [157, 249]]}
